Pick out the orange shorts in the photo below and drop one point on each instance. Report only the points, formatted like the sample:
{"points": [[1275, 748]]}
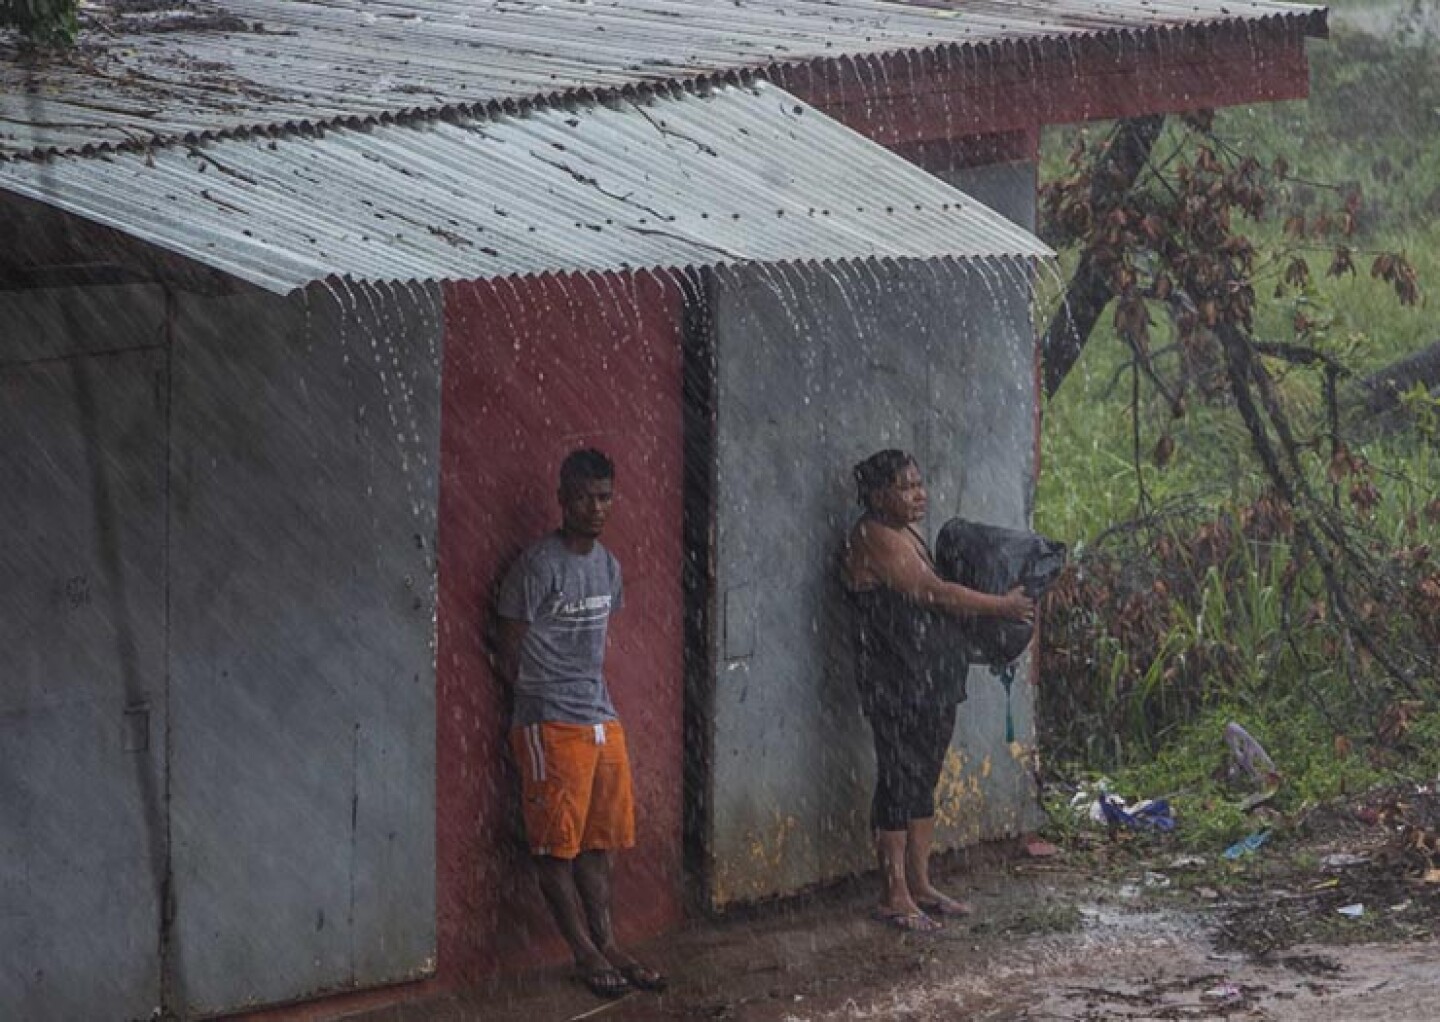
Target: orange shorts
{"points": [[575, 787]]}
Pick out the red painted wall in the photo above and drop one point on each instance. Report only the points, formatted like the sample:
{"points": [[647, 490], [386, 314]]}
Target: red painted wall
{"points": [[533, 369]]}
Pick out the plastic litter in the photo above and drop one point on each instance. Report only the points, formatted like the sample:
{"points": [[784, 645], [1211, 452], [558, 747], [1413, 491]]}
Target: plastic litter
{"points": [[1153, 879], [1187, 862], [1249, 757], [1223, 992], [1090, 797], [1342, 859], [1087, 793], [1352, 911], [1151, 814], [1247, 845]]}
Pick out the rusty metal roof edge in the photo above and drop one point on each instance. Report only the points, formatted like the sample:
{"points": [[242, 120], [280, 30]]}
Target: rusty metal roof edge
{"points": [[1023, 259], [1312, 19]]}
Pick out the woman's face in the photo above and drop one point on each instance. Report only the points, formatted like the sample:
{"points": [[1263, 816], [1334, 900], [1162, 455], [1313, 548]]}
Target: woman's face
{"points": [[904, 500]]}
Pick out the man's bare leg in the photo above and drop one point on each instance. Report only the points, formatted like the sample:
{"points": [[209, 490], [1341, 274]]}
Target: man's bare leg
{"points": [[559, 883], [592, 881]]}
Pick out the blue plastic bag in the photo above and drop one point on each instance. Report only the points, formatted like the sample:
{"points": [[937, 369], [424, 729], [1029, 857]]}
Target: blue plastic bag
{"points": [[1153, 814]]}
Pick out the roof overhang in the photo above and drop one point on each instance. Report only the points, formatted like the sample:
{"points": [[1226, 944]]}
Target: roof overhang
{"points": [[733, 174], [945, 95]]}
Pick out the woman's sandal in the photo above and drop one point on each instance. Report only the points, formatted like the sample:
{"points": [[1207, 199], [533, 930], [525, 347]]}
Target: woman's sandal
{"points": [[945, 907]]}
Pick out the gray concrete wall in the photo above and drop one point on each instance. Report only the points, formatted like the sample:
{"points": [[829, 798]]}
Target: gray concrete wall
{"points": [[817, 368], [217, 599], [82, 611], [304, 444]]}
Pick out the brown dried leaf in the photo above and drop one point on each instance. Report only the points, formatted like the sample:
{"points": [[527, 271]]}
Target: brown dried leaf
{"points": [[1164, 451]]}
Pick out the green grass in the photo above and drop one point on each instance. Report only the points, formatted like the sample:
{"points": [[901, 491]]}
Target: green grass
{"points": [[1189, 771]]}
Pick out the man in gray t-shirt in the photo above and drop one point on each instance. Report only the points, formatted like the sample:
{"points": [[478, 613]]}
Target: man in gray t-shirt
{"points": [[554, 608], [566, 598]]}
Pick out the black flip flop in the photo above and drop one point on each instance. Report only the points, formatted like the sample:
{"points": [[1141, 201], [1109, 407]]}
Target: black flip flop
{"points": [[644, 978], [606, 983]]}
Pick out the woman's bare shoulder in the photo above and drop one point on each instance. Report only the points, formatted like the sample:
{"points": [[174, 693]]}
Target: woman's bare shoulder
{"points": [[876, 537], [871, 549]]}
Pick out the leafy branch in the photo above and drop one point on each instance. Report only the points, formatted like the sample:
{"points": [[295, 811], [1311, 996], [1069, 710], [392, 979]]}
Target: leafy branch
{"points": [[1171, 230]]}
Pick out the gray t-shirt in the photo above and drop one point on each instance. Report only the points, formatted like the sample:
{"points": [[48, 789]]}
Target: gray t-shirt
{"points": [[567, 599]]}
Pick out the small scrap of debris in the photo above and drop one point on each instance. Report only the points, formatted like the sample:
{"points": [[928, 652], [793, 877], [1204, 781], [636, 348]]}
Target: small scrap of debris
{"points": [[1383, 883], [160, 16]]}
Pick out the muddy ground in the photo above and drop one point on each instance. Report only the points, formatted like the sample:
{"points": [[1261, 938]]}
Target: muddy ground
{"points": [[1114, 926]]}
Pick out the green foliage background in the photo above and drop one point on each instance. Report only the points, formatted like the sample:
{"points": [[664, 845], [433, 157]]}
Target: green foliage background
{"points": [[48, 23], [1372, 122]]}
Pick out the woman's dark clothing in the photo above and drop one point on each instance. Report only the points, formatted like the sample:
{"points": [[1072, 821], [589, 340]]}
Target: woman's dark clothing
{"points": [[909, 755], [907, 657], [911, 667]]}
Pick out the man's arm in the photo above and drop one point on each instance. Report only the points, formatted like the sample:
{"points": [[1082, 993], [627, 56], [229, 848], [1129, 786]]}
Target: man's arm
{"points": [[509, 635]]}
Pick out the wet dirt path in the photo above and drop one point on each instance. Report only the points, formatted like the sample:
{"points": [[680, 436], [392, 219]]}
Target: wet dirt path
{"points": [[1047, 943], [1156, 967]]}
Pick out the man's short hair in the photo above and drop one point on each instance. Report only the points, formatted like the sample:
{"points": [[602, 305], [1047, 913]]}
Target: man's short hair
{"points": [[878, 471], [586, 465]]}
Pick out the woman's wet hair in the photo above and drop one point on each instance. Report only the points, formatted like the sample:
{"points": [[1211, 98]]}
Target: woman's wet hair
{"points": [[878, 471], [586, 465]]}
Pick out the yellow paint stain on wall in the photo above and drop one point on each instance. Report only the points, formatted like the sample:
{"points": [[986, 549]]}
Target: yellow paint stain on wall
{"points": [[768, 849], [766, 852], [1025, 755], [958, 795]]}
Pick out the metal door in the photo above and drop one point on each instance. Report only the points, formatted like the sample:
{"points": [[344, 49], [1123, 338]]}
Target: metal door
{"points": [[82, 686]]}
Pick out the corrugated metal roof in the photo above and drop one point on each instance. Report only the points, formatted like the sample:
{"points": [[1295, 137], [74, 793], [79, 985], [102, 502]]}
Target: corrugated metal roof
{"points": [[736, 173], [210, 67]]}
